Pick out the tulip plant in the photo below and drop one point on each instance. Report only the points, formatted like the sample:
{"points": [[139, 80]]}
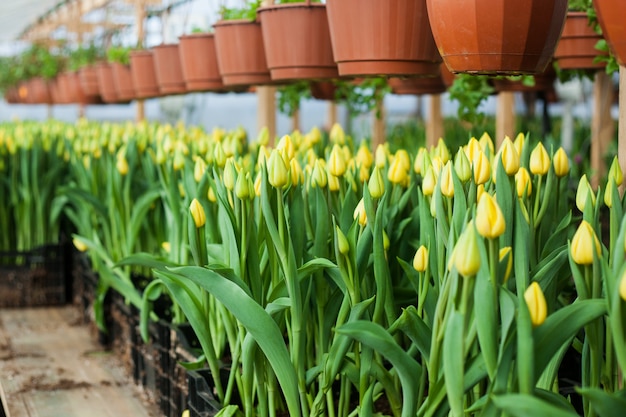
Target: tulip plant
{"points": [[325, 278]]}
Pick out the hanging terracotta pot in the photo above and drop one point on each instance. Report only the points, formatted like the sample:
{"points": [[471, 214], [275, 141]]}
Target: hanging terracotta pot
{"points": [[391, 37], [11, 95], [422, 85], [65, 89], [89, 82], [198, 60], [143, 74], [123, 82], [106, 84], [611, 18], [297, 42], [495, 36], [577, 47], [40, 91], [240, 53], [169, 73], [542, 82], [77, 93], [323, 90]]}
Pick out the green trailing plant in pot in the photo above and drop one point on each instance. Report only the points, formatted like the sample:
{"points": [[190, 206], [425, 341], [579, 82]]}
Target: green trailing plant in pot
{"points": [[248, 12], [84, 56], [290, 97], [119, 60]]}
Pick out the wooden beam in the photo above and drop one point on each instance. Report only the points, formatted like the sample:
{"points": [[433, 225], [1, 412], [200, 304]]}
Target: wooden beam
{"points": [[295, 120], [601, 125], [621, 123], [266, 112], [140, 17], [505, 116], [378, 124], [331, 114], [434, 122]]}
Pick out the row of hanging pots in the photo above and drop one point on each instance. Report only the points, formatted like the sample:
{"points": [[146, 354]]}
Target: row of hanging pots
{"points": [[611, 19]]}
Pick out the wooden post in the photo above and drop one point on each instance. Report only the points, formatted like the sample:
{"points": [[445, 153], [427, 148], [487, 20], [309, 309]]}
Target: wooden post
{"points": [[140, 16], [434, 122], [266, 113], [505, 116], [378, 128], [621, 126], [601, 125], [295, 120], [332, 114]]}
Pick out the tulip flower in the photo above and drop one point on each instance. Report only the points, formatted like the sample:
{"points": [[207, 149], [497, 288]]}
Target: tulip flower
{"points": [[489, 218], [397, 173], [472, 149], [615, 172], [584, 192], [481, 167], [539, 160], [509, 157], [608, 192], [462, 166], [519, 142], [359, 213], [561, 163], [506, 254], [465, 255], [199, 169], [442, 151], [122, 165], [230, 175], [486, 143], [523, 183], [536, 302], [197, 213], [336, 163], [446, 180], [287, 148], [277, 170], [584, 243], [79, 244], [243, 186], [219, 156], [380, 156], [420, 260], [364, 157], [333, 182], [622, 286], [342, 242], [376, 184], [429, 182], [418, 164], [319, 178], [337, 135]]}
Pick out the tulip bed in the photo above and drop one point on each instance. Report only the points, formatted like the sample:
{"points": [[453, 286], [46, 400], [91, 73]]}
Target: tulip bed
{"points": [[323, 279]]}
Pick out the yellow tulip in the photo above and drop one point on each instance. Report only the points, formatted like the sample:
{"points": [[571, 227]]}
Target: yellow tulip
{"points": [[489, 218], [333, 182], [364, 157], [584, 243], [418, 164], [509, 157], [397, 173], [622, 286], [536, 302], [79, 244], [523, 183], [376, 184], [277, 174], [608, 192], [615, 172], [486, 143], [230, 175], [482, 168], [462, 166], [197, 213], [219, 155], [364, 173], [318, 175], [380, 156], [539, 160], [480, 189], [583, 193], [359, 213], [561, 163], [446, 180], [257, 184], [420, 260], [342, 242], [244, 189], [429, 182], [465, 255], [506, 253], [472, 149], [442, 151], [122, 165], [199, 169], [519, 142], [287, 148], [336, 163], [337, 134]]}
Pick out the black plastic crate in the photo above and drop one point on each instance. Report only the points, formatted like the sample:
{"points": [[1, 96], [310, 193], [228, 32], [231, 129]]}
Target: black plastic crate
{"points": [[38, 277], [202, 402]]}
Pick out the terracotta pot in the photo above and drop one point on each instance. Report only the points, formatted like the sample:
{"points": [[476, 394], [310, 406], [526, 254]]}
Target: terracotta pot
{"points": [[40, 91], [106, 84], [143, 74], [576, 49], [373, 37], [543, 82], [495, 36], [198, 60], [611, 18], [54, 90], [123, 82], [422, 85], [89, 81], [76, 90], [297, 42], [240, 53], [169, 73], [66, 92], [323, 90], [11, 95]]}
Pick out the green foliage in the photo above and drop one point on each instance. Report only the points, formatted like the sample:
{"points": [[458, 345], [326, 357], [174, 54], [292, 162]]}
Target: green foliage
{"points": [[248, 12], [361, 97], [120, 54], [83, 56], [290, 96], [470, 91]]}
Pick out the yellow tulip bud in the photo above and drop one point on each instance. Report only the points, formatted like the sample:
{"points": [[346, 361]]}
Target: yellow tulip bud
{"points": [[539, 160], [420, 260], [336, 162], [277, 174], [442, 151], [166, 246], [398, 172], [257, 184], [446, 180], [386, 242], [622, 286], [465, 255], [429, 182], [122, 165], [519, 142], [219, 155], [584, 243], [509, 157], [199, 169], [584, 192], [506, 254], [197, 213], [561, 163], [287, 148], [472, 149], [486, 143], [489, 218], [242, 186], [179, 160], [318, 175], [337, 134], [364, 157], [380, 156], [480, 189], [536, 302], [462, 166], [211, 195], [364, 173], [482, 168], [608, 192], [333, 182], [230, 175], [342, 242], [376, 184], [418, 164], [359, 213], [523, 183], [615, 172], [264, 155], [79, 244], [295, 172]]}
